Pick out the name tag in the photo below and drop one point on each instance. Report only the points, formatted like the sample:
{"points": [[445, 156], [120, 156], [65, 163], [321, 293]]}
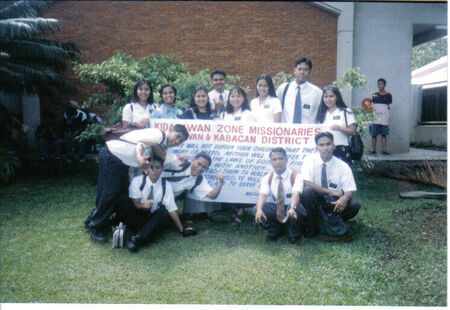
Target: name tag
{"points": [[332, 185], [288, 195], [336, 117], [237, 118], [266, 106], [306, 106]]}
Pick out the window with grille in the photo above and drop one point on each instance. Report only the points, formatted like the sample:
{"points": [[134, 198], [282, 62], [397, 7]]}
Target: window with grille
{"points": [[434, 104]]}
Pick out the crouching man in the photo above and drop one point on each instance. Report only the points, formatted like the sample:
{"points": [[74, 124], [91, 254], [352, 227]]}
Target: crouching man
{"points": [[283, 186], [152, 203], [327, 195]]}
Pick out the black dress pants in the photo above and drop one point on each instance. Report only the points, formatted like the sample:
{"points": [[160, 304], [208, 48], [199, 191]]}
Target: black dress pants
{"points": [[112, 184], [276, 228], [313, 201]]}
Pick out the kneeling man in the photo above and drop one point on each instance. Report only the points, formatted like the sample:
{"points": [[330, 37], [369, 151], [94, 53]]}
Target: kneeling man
{"points": [[329, 187], [286, 212], [152, 205]]}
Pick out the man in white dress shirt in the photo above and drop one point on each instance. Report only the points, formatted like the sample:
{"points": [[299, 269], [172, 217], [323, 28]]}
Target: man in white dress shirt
{"points": [[219, 95], [329, 186], [300, 99], [284, 211]]}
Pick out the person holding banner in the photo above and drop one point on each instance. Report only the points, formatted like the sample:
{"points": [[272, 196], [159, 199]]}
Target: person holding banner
{"points": [[113, 160], [200, 105], [300, 99], [285, 212], [237, 108], [340, 120], [266, 106], [190, 180], [168, 109], [150, 204], [328, 192], [137, 113]]}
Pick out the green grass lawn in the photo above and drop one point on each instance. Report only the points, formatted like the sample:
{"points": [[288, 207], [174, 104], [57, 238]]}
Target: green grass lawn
{"points": [[398, 256]]}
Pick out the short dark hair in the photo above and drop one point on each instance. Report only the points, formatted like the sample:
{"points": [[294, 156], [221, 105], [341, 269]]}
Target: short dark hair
{"points": [[269, 82], [194, 92], [306, 60], [168, 85], [138, 84], [382, 80], [204, 155], [218, 72], [158, 159], [278, 150], [181, 129], [323, 134], [244, 106]]}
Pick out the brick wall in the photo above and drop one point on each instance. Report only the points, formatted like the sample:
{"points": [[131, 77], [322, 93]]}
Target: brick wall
{"points": [[242, 38]]}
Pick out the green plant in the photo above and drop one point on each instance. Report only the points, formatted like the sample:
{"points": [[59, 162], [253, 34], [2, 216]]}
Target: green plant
{"points": [[280, 78]]}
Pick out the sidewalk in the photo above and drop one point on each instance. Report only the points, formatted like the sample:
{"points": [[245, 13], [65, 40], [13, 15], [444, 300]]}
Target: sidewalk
{"points": [[412, 155]]}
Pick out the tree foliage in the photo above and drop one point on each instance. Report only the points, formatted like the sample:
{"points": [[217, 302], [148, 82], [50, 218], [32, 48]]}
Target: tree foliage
{"points": [[428, 52], [28, 62]]}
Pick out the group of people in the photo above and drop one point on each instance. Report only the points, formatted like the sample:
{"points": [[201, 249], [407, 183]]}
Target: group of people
{"points": [[140, 178]]}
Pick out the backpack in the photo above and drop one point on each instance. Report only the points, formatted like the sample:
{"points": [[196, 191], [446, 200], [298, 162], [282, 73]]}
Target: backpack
{"points": [[198, 180], [355, 143], [292, 178], [284, 94]]}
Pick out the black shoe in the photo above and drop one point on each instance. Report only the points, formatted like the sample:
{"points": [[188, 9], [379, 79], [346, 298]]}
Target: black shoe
{"points": [[97, 235], [271, 239], [132, 244], [344, 238], [293, 240]]}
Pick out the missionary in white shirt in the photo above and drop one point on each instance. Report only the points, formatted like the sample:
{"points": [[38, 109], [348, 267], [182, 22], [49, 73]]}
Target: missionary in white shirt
{"points": [[339, 119], [283, 211], [152, 203], [300, 99], [113, 161], [327, 178], [218, 95], [237, 108], [137, 113], [266, 107]]}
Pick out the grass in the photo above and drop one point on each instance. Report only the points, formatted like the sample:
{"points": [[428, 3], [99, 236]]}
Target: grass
{"points": [[398, 256]]}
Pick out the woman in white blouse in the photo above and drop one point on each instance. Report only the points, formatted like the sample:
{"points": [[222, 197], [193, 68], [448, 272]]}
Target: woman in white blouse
{"points": [[237, 108], [266, 107], [340, 120], [137, 113]]}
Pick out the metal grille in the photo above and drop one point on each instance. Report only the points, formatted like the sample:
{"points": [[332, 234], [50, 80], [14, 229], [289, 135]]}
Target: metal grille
{"points": [[434, 105]]}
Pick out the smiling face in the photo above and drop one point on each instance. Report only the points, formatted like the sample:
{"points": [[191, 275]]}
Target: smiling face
{"points": [[201, 99], [143, 92], [236, 100], [278, 162], [199, 166], [175, 138], [301, 72], [263, 88], [218, 82], [325, 147], [156, 168], [168, 95], [330, 99]]}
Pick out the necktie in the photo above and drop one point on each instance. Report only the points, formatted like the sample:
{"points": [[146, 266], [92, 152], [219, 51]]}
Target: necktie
{"points": [[323, 177], [221, 98], [280, 201], [150, 195], [298, 107]]}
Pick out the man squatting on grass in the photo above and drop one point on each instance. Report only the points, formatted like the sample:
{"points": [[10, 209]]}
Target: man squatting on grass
{"points": [[326, 178], [114, 158]]}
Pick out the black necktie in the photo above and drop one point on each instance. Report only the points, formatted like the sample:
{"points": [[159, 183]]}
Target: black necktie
{"points": [[298, 107], [323, 177], [150, 195]]}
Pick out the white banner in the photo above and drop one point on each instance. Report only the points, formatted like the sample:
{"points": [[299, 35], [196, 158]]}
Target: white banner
{"points": [[241, 151]]}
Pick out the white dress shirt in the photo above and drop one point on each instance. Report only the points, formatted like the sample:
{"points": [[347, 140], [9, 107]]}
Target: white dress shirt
{"points": [[264, 112], [186, 184], [338, 118], [214, 96], [339, 174], [138, 114], [310, 97], [240, 116], [288, 188], [168, 200]]}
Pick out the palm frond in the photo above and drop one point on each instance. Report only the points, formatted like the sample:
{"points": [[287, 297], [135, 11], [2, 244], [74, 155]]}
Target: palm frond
{"points": [[16, 9], [25, 28]]}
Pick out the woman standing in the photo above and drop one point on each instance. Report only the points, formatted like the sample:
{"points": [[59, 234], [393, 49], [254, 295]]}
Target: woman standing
{"points": [[200, 106], [237, 108], [137, 113], [266, 107], [340, 120], [168, 109]]}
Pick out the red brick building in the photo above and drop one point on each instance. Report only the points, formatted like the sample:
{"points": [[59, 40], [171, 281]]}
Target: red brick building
{"points": [[242, 38]]}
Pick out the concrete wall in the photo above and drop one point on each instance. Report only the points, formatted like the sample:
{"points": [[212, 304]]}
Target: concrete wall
{"points": [[382, 47]]}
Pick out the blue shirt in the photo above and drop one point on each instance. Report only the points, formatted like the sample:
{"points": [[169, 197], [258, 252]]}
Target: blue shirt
{"points": [[164, 112]]}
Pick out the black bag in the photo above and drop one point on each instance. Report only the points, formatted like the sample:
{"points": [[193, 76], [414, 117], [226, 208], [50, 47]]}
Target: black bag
{"points": [[355, 142], [332, 224]]}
